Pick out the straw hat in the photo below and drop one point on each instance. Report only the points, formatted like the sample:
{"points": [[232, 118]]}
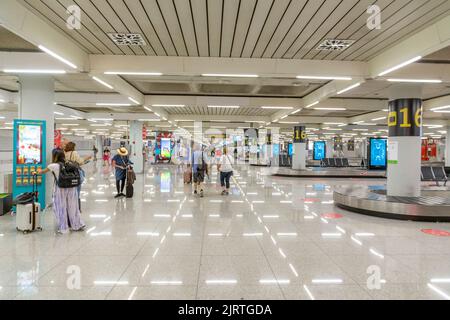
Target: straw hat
{"points": [[122, 151]]}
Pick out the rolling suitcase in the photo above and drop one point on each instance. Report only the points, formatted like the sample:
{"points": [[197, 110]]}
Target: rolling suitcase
{"points": [[129, 192], [187, 177], [28, 214]]}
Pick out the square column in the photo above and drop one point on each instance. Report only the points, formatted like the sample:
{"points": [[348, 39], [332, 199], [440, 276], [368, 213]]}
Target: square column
{"points": [[447, 147], [137, 146], [37, 98], [404, 150], [299, 148]]}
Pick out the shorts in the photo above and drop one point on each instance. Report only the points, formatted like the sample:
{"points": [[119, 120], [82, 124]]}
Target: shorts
{"points": [[199, 176]]}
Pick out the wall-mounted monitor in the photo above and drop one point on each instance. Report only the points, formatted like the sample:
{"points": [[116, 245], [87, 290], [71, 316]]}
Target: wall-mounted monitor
{"points": [[29, 143], [377, 154], [320, 150], [276, 150]]}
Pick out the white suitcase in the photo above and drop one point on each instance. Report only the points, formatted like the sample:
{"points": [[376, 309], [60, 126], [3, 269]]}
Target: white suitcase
{"points": [[28, 217]]}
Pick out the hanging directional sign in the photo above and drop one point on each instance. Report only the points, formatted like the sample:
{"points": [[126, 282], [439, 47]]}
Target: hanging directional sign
{"points": [[300, 134], [405, 118]]}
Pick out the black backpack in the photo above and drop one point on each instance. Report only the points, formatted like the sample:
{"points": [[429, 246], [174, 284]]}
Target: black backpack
{"points": [[69, 175]]}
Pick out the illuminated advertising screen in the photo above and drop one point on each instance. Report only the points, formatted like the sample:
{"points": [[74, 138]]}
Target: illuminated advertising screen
{"points": [[378, 153], [319, 150], [29, 144], [166, 149], [276, 149], [290, 149]]}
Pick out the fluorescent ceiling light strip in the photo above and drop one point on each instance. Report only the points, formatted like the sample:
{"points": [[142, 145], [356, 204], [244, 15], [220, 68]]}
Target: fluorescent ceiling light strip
{"points": [[327, 281], [127, 73], [356, 85], [58, 113], [169, 105], [221, 281], [416, 80], [229, 107], [274, 281], [439, 291], [56, 56], [277, 108], [35, 71], [331, 109], [230, 75], [312, 104], [440, 108], [103, 83], [324, 78], [381, 118], [133, 100], [401, 65], [113, 104]]}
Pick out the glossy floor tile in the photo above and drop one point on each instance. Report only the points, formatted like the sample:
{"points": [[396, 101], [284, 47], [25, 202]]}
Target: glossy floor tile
{"points": [[271, 238]]}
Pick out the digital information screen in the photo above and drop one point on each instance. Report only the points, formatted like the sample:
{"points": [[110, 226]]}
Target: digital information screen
{"points": [[276, 149], [319, 150], [29, 140], [290, 149], [166, 151], [378, 153]]}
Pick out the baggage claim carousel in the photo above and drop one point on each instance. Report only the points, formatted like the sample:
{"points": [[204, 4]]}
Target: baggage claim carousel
{"points": [[432, 206]]}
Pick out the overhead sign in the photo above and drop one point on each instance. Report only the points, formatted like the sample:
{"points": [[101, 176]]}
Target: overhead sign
{"points": [[405, 118], [300, 134]]}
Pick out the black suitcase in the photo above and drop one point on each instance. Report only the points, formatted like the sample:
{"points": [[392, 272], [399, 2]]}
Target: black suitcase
{"points": [[129, 191]]}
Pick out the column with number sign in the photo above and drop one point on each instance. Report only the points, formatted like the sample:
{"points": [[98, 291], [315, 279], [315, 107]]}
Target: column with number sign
{"points": [[404, 148], [299, 148]]}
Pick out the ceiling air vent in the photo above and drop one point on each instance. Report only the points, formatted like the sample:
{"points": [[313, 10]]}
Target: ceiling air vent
{"points": [[335, 45], [127, 39]]}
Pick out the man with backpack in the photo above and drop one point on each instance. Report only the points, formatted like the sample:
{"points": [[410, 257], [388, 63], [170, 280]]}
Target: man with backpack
{"points": [[199, 169]]}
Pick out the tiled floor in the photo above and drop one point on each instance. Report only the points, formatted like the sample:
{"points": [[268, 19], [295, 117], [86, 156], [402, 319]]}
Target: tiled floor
{"points": [[268, 240]]}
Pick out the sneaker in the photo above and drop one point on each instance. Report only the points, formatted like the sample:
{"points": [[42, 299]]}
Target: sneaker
{"points": [[195, 191], [224, 193], [122, 195], [61, 232], [201, 194], [117, 195]]}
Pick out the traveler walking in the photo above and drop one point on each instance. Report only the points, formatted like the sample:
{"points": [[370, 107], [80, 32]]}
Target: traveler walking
{"points": [[199, 169], [120, 162], [225, 167]]}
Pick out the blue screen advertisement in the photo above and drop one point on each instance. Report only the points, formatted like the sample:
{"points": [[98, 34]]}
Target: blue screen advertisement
{"points": [[378, 152], [276, 149], [290, 149], [319, 150]]}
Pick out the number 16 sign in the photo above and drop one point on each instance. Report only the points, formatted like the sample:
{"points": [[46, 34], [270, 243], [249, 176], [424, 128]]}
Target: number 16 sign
{"points": [[405, 118]]}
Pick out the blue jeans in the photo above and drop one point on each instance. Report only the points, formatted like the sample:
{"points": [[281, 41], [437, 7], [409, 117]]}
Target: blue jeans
{"points": [[225, 179]]}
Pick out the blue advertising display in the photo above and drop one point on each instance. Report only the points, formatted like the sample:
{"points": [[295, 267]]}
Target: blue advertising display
{"points": [[290, 149], [29, 157], [319, 150], [276, 149], [378, 153]]}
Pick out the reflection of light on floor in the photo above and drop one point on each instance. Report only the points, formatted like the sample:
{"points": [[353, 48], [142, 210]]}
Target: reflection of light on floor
{"points": [[308, 292], [327, 281], [212, 282]]}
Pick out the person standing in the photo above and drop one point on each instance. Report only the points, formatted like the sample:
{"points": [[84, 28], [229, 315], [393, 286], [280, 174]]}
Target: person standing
{"points": [[225, 168], [73, 156], [199, 169], [65, 200], [120, 163], [95, 150], [106, 157]]}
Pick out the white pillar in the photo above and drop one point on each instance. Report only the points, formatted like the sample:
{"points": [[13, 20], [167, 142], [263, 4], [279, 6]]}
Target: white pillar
{"points": [[37, 98], [299, 156], [136, 146], [447, 148], [403, 173]]}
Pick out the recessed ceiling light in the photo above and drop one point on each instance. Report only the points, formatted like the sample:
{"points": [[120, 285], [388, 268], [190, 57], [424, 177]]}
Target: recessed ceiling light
{"points": [[103, 83], [356, 85], [230, 75], [324, 78], [34, 71], [401, 65], [416, 80], [126, 73], [56, 56]]}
